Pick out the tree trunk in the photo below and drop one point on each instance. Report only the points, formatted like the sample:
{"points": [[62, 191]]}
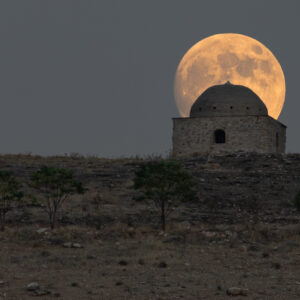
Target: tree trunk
{"points": [[163, 215], [52, 220], [52, 224]]}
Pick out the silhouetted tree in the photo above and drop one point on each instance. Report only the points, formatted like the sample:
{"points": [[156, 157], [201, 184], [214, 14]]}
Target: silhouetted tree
{"points": [[9, 193], [56, 185], [164, 182]]}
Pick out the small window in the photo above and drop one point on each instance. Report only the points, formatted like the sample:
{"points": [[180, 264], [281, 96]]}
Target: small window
{"points": [[231, 107], [214, 107], [219, 136], [277, 140], [247, 108]]}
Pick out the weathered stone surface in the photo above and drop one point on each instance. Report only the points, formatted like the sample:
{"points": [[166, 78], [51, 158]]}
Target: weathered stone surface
{"points": [[243, 133]]}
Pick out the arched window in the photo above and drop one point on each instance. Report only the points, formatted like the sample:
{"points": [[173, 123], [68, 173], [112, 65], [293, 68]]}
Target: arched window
{"points": [[219, 136]]}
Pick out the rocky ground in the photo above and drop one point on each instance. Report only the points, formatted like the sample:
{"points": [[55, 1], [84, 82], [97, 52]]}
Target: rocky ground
{"points": [[241, 239]]}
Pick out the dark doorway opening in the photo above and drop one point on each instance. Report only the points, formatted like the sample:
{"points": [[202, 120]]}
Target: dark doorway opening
{"points": [[220, 136]]}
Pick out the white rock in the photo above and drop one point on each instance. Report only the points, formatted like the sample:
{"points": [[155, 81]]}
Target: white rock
{"points": [[33, 286], [67, 245], [209, 234]]}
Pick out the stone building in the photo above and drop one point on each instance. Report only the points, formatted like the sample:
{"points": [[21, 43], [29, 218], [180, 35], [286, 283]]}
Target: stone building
{"points": [[228, 118]]}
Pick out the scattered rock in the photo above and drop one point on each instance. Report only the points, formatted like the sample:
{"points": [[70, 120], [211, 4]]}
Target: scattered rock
{"points": [[67, 245], [91, 256], [72, 245], [2, 283], [33, 286], [243, 248], [42, 230], [41, 292], [209, 234], [162, 233], [236, 291]]}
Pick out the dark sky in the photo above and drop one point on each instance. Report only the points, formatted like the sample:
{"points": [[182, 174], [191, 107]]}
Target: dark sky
{"points": [[96, 77]]}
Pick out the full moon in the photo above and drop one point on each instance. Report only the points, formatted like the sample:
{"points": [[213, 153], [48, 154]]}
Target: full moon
{"points": [[229, 57]]}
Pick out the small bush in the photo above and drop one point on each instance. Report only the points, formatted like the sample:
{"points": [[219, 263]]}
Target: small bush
{"points": [[56, 185], [164, 182], [9, 193]]}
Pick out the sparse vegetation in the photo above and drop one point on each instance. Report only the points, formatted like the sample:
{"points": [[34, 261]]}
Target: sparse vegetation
{"points": [[207, 251], [164, 182], [56, 185], [9, 192]]}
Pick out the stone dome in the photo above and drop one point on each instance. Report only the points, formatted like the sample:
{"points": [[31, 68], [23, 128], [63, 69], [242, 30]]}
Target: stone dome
{"points": [[228, 100]]}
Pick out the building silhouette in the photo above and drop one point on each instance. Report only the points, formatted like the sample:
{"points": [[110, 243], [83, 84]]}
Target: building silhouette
{"points": [[228, 118]]}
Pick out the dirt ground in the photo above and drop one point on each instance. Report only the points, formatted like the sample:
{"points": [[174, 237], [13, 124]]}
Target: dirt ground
{"points": [[107, 246], [187, 262]]}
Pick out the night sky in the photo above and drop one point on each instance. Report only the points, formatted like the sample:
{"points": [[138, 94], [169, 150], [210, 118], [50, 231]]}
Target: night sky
{"points": [[96, 77]]}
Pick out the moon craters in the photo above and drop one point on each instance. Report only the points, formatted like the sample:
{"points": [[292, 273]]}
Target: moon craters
{"points": [[246, 67], [227, 60], [257, 49], [229, 57]]}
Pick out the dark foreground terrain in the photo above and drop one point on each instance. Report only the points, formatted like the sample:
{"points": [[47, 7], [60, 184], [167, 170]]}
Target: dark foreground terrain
{"points": [[243, 232]]}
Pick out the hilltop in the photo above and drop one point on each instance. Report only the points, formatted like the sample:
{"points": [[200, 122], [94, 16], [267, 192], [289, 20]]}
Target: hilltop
{"points": [[243, 229]]}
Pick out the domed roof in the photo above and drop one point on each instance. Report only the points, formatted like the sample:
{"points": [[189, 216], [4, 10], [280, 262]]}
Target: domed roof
{"points": [[228, 100]]}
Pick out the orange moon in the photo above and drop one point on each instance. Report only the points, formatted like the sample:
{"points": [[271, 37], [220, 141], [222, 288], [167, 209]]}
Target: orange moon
{"points": [[229, 57]]}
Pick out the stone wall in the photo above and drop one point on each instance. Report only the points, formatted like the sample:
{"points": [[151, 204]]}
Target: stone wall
{"points": [[243, 133]]}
